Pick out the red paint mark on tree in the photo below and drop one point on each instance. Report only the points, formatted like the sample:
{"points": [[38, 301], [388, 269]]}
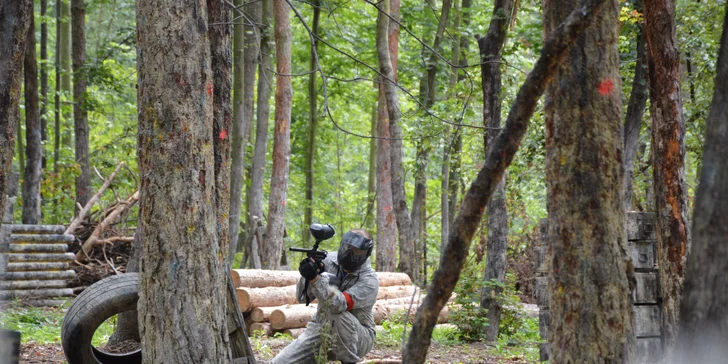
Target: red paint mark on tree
{"points": [[209, 88], [223, 135], [606, 87]]}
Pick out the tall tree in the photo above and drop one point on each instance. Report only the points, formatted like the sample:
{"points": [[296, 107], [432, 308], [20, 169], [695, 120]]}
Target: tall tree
{"points": [[14, 20], [704, 307], [495, 264], [44, 73], [33, 147], [57, 93], [312, 123], [500, 156], [372, 178], [64, 50], [281, 138], [265, 77], [181, 296], [238, 133], [386, 220], [591, 312], [668, 158], [80, 115], [635, 112]]}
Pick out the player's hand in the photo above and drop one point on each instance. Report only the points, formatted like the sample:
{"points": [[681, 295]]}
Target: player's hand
{"points": [[309, 269]]}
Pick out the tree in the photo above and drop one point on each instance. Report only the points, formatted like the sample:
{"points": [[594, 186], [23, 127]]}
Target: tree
{"points": [[386, 220], [499, 157], [80, 115], [44, 73], [15, 18], [591, 312], [668, 158], [495, 265], [281, 138], [33, 147], [312, 123], [183, 272], [703, 317], [63, 43]]}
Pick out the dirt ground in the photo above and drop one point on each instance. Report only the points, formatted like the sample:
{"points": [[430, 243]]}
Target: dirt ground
{"points": [[266, 348]]}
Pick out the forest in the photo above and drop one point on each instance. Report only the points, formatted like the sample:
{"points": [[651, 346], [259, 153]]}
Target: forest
{"points": [[548, 175]]}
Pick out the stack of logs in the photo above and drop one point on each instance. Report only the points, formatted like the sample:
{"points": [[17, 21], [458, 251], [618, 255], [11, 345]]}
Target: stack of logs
{"points": [[268, 300]]}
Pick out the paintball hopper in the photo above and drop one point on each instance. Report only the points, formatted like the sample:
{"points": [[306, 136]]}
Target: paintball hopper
{"points": [[322, 232]]}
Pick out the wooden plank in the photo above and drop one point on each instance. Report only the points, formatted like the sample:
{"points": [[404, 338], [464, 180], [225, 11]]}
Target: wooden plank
{"points": [[646, 288], [36, 293], [13, 285], [643, 254], [25, 266], [42, 257], [41, 238], [38, 248], [640, 226], [647, 320], [17, 276], [36, 229]]}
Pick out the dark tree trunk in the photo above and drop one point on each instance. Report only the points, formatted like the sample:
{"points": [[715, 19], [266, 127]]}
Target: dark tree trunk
{"points": [[238, 134], [633, 120], [704, 307], [127, 323], [183, 272], [591, 309], [44, 74], [80, 115], [15, 18], [312, 125], [64, 48], [265, 77], [57, 97], [386, 220], [33, 147], [220, 35], [495, 264], [500, 156], [668, 159], [281, 139], [372, 180]]}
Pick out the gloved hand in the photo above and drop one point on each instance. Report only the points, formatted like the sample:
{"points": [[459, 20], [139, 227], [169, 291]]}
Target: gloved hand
{"points": [[309, 269]]}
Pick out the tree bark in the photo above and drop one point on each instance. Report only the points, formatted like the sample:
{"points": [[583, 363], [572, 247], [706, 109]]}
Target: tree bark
{"points": [[633, 120], [281, 139], [312, 125], [33, 146], [500, 156], [44, 74], [704, 307], [238, 134], [80, 115], [495, 264], [591, 309], [57, 97], [64, 49], [14, 21], [183, 273], [265, 76], [668, 159], [372, 178]]}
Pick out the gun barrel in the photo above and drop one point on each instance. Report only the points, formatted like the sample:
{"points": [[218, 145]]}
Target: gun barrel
{"points": [[300, 250]]}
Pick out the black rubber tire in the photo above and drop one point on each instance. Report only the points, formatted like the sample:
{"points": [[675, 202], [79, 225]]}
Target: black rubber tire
{"points": [[89, 310]]}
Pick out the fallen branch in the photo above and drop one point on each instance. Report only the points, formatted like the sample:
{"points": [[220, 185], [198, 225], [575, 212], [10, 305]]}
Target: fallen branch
{"points": [[95, 238], [84, 211]]}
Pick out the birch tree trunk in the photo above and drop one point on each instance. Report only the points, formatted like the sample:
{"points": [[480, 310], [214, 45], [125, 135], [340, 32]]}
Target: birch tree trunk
{"points": [[33, 146], [281, 139], [704, 307], [668, 159], [183, 272], [591, 309], [495, 264]]}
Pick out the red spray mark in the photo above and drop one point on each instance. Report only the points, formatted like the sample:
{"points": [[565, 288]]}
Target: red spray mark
{"points": [[606, 87], [223, 135], [209, 88]]}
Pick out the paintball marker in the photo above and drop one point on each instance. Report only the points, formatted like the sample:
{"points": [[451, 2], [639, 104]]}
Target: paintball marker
{"points": [[320, 233]]}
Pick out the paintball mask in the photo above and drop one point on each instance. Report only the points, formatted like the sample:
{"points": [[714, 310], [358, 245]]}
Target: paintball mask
{"points": [[354, 251]]}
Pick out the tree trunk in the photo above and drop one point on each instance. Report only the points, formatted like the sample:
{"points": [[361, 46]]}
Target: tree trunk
{"points": [[127, 323], [633, 120], [668, 159], [57, 97], [591, 309], [386, 221], [80, 116], [238, 134], [43, 74], [372, 178], [34, 148], [183, 273], [265, 77], [500, 156], [495, 264], [281, 139], [64, 49], [14, 21], [704, 307], [312, 125]]}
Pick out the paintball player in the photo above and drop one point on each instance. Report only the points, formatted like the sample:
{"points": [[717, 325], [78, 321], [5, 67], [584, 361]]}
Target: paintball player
{"points": [[346, 287]]}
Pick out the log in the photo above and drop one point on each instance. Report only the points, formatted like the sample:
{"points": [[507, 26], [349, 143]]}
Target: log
{"points": [[396, 292], [262, 326], [59, 292], [261, 314], [259, 278], [291, 318], [24, 267], [41, 238], [382, 313], [249, 298], [294, 332], [95, 238], [85, 210], [35, 229], [38, 248], [13, 285], [16, 276], [41, 257]]}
